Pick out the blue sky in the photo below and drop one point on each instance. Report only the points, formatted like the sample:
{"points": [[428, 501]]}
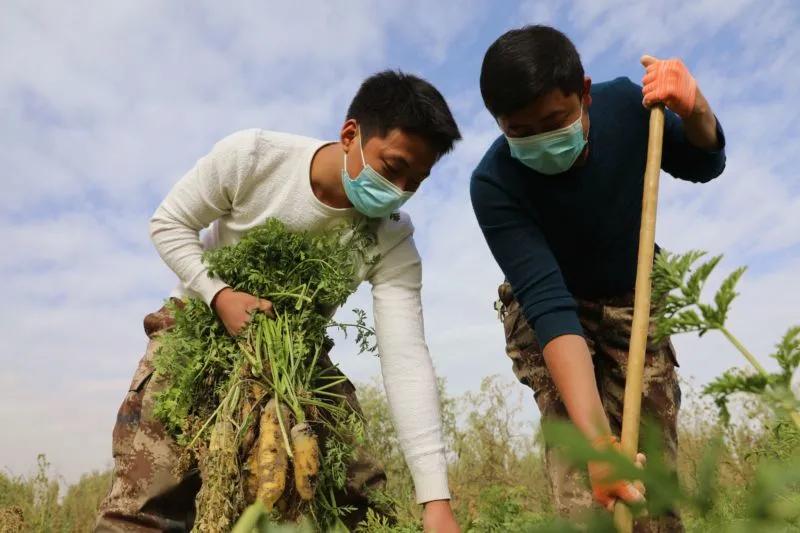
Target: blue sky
{"points": [[105, 106]]}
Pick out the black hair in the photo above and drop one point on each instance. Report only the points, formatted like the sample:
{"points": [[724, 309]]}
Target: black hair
{"points": [[526, 63], [393, 99]]}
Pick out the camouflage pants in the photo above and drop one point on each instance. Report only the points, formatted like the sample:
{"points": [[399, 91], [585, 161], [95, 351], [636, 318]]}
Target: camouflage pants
{"points": [[607, 327], [146, 495]]}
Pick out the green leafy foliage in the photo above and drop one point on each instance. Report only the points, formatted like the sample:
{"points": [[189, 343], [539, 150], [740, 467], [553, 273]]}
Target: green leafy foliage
{"points": [[730, 382], [502, 509], [787, 354], [196, 355], [677, 287], [37, 503], [366, 339], [678, 283]]}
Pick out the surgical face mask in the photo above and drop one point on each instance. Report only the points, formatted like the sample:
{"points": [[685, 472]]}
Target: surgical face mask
{"points": [[551, 152], [370, 193]]}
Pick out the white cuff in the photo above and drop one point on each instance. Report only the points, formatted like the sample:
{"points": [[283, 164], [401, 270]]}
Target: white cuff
{"points": [[431, 485], [207, 287]]}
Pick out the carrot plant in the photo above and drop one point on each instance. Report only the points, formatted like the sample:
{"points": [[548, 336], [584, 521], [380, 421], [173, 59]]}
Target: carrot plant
{"points": [[249, 411], [678, 282]]}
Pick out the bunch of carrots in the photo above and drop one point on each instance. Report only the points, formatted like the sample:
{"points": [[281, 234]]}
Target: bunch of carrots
{"points": [[263, 415]]}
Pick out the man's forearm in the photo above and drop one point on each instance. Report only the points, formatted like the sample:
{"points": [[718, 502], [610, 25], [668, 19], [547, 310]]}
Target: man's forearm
{"points": [[701, 125], [571, 368]]}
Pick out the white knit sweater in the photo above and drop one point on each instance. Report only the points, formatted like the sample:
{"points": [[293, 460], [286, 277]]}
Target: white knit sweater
{"points": [[253, 175]]}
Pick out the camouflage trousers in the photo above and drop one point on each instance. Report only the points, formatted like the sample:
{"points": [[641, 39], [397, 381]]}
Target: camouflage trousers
{"points": [[147, 496], [607, 328]]}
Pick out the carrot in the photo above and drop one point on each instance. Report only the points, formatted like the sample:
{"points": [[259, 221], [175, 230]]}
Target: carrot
{"points": [[305, 448], [272, 455]]}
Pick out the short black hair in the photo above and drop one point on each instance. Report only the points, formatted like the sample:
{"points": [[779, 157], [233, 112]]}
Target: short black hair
{"points": [[394, 99], [526, 63]]}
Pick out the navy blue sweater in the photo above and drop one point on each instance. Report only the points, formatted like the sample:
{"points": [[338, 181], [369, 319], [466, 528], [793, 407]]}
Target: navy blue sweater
{"points": [[577, 233]]}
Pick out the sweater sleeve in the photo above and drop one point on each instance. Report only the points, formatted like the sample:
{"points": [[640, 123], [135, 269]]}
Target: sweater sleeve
{"points": [[525, 257], [684, 160], [407, 369], [204, 194]]}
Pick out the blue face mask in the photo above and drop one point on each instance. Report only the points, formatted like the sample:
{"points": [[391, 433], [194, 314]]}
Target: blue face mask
{"points": [[370, 193], [551, 152]]}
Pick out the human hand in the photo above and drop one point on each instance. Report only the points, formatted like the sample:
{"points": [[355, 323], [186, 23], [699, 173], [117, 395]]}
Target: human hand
{"points": [[607, 491], [236, 308], [669, 82]]}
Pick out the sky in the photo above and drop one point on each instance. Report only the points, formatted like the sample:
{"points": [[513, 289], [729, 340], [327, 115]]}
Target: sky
{"points": [[105, 105]]}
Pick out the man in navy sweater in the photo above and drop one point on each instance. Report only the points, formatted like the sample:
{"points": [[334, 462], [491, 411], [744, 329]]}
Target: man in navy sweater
{"points": [[558, 197]]}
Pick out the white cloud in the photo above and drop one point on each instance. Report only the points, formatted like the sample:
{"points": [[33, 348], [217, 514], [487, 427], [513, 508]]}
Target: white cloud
{"points": [[435, 27]]}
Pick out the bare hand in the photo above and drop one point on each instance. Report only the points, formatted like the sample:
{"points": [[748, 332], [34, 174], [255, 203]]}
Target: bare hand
{"points": [[438, 518], [236, 308]]}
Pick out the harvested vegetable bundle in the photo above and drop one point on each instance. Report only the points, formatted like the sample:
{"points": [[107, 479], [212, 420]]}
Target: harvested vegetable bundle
{"points": [[262, 414]]}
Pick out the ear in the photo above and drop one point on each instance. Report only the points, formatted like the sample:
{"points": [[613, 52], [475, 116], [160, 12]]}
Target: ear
{"points": [[501, 122], [587, 91], [348, 133]]}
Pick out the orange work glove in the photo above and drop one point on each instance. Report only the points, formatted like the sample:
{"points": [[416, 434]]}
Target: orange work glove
{"points": [[606, 492], [669, 82]]}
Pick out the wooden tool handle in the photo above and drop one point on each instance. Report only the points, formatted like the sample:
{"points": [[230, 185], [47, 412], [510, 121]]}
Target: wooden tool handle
{"points": [[641, 306]]}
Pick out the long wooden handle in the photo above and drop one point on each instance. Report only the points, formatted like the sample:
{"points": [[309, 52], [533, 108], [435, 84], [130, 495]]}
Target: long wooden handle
{"points": [[641, 306]]}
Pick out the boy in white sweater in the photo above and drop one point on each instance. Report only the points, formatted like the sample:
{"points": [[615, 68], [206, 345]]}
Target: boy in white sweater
{"points": [[397, 128]]}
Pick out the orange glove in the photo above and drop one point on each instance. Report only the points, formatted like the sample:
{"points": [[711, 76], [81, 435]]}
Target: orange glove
{"points": [[605, 491], [669, 82]]}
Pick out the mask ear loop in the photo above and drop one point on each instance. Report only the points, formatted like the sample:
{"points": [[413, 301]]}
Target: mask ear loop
{"points": [[344, 165], [361, 147], [579, 118]]}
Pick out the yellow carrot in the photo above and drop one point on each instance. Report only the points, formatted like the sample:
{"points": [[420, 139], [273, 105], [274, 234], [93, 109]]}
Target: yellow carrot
{"points": [[305, 448], [272, 455]]}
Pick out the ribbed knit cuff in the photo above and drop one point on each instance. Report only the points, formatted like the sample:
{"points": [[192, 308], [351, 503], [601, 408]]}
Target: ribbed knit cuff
{"points": [[557, 323], [431, 486], [207, 287]]}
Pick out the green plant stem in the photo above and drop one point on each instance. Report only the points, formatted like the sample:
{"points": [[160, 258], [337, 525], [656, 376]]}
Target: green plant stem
{"points": [[744, 351], [290, 295], [349, 325], [208, 422], [307, 383], [283, 430], [310, 260], [753, 361]]}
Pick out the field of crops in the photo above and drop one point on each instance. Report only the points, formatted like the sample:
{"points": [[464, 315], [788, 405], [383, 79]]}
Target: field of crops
{"points": [[497, 480]]}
